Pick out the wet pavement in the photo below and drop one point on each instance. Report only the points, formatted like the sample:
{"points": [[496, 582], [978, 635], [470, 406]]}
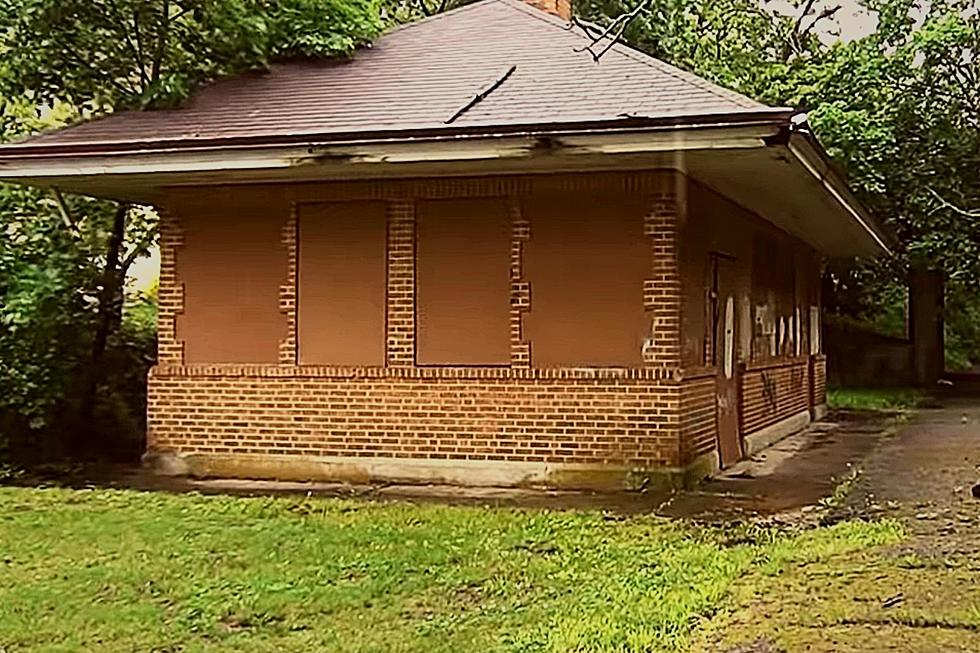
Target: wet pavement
{"points": [[924, 476]]}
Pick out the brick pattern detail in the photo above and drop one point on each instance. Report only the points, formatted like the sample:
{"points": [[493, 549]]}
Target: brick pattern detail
{"points": [[818, 379], [662, 291], [646, 183], [520, 289], [556, 420], [288, 352], [772, 393], [170, 299], [698, 412], [401, 284]]}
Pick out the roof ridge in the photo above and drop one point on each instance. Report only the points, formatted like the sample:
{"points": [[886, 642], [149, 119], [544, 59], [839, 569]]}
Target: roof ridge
{"points": [[632, 53]]}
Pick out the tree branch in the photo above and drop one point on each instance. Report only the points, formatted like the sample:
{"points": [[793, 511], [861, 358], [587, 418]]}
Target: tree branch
{"points": [[161, 43], [138, 250], [144, 79], [807, 8], [952, 207], [479, 97], [611, 32], [63, 210]]}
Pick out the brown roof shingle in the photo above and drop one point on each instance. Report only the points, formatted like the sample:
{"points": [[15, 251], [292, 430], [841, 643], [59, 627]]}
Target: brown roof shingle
{"points": [[417, 78]]}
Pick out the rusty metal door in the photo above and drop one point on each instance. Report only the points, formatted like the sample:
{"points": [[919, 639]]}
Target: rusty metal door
{"points": [[725, 339]]}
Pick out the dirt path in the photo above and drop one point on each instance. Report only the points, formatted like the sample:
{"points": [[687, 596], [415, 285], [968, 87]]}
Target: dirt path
{"points": [[921, 595], [924, 477]]}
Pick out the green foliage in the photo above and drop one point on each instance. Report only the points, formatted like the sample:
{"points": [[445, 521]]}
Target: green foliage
{"points": [[49, 284], [876, 399], [899, 109], [44, 312], [962, 326], [125, 571], [73, 362], [99, 55]]}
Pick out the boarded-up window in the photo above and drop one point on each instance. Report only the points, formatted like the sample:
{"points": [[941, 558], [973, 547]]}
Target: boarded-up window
{"points": [[586, 262], [231, 266], [463, 282], [773, 298], [341, 298]]}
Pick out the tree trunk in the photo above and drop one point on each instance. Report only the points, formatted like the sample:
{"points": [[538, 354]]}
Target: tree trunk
{"points": [[107, 320]]}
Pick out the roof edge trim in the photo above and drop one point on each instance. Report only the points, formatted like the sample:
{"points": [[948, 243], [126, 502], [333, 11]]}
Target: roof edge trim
{"points": [[810, 153], [497, 147], [692, 121]]}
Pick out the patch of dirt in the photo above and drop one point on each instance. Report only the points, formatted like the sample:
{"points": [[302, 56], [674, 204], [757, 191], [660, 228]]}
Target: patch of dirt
{"points": [[924, 477]]}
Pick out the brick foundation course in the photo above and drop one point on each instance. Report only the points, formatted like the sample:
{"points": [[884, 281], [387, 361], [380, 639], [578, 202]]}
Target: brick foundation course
{"points": [[622, 425]]}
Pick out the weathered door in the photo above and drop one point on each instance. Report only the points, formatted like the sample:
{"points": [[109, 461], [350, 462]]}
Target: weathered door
{"points": [[725, 360]]}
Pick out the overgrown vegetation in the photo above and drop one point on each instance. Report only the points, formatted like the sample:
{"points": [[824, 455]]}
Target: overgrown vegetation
{"points": [[898, 108], [75, 343], [124, 571], [875, 399], [862, 600]]}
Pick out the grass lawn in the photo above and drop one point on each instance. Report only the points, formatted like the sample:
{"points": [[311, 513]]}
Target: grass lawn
{"points": [[875, 398], [126, 571]]}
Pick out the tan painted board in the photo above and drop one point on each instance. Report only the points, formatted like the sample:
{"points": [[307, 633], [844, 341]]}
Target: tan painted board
{"points": [[463, 282], [231, 265], [341, 283], [586, 262]]}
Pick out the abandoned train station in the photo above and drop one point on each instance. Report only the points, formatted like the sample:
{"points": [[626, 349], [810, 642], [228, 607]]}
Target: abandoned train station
{"points": [[472, 254]]}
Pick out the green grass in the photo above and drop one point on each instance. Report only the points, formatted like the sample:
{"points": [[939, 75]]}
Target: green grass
{"points": [[126, 571], [878, 399], [840, 603]]}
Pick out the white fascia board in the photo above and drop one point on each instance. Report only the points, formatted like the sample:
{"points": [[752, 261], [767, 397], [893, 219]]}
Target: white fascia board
{"points": [[343, 155], [811, 159]]}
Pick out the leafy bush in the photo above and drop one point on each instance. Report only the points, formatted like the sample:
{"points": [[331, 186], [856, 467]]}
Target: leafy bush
{"points": [[50, 276]]}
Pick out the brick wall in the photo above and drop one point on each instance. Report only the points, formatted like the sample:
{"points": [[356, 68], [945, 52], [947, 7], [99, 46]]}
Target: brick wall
{"points": [[698, 435], [818, 380], [619, 417], [772, 392], [506, 415], [170, 295]]}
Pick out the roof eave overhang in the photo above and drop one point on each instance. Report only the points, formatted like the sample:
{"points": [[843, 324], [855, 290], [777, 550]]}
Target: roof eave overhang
{"points": [[807, 149], [143, 174]]}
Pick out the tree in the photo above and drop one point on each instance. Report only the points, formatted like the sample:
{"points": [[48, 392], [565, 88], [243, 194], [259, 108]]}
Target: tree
{"points": [[897, 109], [65, 259], [99, 55]]}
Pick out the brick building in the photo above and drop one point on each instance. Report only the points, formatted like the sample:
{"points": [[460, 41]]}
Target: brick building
{"points": [[474, 255]]}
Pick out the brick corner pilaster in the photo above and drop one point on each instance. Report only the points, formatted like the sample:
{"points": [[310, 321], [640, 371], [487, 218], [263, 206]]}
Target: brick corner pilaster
{"points": [[400, 338], [288, 354], [170, 297], [662, 290]]}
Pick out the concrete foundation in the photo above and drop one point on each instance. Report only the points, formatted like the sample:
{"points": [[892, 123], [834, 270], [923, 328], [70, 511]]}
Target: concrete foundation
{"points": [[770, 435], [416, 471]]}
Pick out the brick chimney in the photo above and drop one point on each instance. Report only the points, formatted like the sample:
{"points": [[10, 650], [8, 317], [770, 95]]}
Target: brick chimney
{"points": [[560, 8]]}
